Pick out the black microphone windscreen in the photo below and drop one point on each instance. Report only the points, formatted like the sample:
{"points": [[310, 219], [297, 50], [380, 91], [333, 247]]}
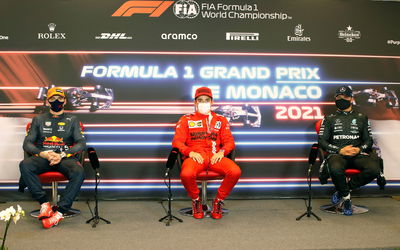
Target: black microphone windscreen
{"points": [[313, 154], [173, 155], [94, 160]]}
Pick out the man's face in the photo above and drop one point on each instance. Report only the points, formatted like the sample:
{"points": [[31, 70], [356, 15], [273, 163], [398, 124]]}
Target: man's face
{"points": [[203, 99], [57, 97], [348, 98]]}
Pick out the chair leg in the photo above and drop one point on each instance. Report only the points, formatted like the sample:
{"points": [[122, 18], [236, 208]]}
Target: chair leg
{"points": [[204, 192], [54, 192], [206, 207]]}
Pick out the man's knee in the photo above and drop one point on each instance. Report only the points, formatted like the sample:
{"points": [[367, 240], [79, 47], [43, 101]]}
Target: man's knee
{"points": [[26, 165], [187, 174], [373, 167], [78, 172], [188, 171], [72, 170], [335, 164], [233, 169]]}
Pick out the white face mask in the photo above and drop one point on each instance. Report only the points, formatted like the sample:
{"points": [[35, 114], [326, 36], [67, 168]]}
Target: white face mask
{"points": [[204, 108]]}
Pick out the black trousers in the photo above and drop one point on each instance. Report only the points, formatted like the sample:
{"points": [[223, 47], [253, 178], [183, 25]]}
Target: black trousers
{"points": [[32, 166], [369, 165]]}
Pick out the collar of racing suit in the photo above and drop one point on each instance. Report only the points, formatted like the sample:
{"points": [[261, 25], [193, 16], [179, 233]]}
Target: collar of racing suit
{"points": [[50, 115], [344, 112], [208, 117]]}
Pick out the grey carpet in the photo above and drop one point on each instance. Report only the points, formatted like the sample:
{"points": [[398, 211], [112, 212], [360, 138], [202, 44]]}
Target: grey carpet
{"points": [[255, 224]]}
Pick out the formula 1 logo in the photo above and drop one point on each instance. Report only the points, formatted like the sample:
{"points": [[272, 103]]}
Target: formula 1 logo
{"points": [[154, 8]]}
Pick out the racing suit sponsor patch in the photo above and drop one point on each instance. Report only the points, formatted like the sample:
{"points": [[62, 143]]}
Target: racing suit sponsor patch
{"points": [[217, 125], [345, 137], [195, 124]]}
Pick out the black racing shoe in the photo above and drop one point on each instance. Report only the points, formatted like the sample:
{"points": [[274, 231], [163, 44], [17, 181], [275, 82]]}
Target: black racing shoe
{"points": [[336, 198], [347, 207]]}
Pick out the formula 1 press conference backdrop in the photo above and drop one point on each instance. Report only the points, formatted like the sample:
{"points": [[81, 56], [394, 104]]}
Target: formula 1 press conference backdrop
{"points": [[130, 69]]}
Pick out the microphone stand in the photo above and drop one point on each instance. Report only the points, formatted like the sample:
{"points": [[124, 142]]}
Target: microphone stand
{"points": [[169, 217], [96, 218], [309, 211]]}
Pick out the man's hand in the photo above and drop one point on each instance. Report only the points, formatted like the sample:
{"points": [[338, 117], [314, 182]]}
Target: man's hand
{"points": [[349, 150], [45, 154], [196, 157], [54, 158], [217, 157], [356, 151]]}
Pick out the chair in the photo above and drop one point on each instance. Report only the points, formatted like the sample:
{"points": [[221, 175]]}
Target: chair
{"points": [[350, 172], [54, 178], [204, 177]]}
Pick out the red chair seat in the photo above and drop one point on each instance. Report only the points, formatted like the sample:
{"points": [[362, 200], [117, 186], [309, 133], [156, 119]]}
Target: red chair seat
{"points": [[209, 175], [49, 177], [350, 172]]}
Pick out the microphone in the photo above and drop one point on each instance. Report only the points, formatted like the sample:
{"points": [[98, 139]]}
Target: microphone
{"points": [[173, 155], [312, 157], [94, 160]]}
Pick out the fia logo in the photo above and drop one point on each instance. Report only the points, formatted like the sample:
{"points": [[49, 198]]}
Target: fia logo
{"points": [[186, 9]]}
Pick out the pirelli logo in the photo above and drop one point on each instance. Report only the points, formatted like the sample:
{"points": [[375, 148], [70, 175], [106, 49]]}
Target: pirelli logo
{"points": [[153, 8]]}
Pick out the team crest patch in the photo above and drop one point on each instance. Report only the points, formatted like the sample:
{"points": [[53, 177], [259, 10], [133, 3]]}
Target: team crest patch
{"points": [[217, 125], [195, 124]]}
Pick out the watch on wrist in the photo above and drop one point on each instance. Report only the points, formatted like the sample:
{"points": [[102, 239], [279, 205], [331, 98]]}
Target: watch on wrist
{"points": [[63, 155]]}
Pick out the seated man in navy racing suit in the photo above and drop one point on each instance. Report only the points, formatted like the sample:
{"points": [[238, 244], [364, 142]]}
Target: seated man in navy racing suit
{"points": [[53, 140], [346, 136]]}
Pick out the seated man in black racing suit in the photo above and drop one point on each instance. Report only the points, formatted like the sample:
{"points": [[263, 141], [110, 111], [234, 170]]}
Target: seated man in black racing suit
{"points": [[346, 136], [52, 141]]}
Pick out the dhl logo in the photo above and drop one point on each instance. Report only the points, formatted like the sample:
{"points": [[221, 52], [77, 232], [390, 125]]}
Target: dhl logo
{"points": [[53, 139], [154, 8]]}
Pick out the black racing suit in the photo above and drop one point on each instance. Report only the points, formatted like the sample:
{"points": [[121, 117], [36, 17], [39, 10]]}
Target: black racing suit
{"points": [[61, 133], [342, 129]]}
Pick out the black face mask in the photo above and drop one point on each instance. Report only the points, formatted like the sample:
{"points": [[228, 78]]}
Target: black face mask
{"points": [[56, 106], [342, 104]]}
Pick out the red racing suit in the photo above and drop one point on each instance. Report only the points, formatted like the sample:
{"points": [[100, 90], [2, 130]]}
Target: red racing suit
{"points": [[206, 135]]}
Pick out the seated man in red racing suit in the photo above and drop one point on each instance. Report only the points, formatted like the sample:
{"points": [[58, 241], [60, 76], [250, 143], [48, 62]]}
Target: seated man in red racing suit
{"points": [[204, 138]]}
